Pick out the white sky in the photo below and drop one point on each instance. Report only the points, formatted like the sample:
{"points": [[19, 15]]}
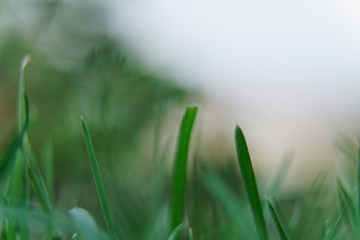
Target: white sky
{"points": [[290, 70], [270, 52]]}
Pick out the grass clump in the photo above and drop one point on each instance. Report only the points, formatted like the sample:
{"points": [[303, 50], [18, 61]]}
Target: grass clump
{"points": [[212, 203]]}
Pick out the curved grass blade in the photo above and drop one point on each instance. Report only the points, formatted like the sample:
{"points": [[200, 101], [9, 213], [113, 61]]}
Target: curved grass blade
{"points": [[179, 174], [98, 180], [22, 111], [277, 222], [250, 182], [176, 232]]}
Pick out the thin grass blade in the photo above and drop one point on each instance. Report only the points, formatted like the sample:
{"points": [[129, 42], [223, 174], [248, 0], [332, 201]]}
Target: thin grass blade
{"points": [[345, 200], [48, 166], [179, 174], [98, 179], [227, 199], [248, 175], [10, 154], [278, 177], [176, 232], [335, 228], [278, 225]]}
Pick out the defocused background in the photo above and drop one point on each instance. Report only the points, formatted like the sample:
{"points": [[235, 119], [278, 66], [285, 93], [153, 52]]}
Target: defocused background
{"points": [[287, 72]]}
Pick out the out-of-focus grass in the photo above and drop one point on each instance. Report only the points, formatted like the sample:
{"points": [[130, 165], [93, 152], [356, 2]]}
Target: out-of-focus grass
{"points": [[87, 72], [145, 201]]}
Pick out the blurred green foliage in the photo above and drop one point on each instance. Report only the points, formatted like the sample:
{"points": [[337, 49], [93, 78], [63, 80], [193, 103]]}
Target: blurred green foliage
{"points": [[76, 68]]}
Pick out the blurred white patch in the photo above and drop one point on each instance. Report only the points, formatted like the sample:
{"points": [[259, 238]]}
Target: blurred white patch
{"points": [[287, 71]]}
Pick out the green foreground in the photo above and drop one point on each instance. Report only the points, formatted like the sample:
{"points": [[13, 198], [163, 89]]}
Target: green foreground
{"points": [[203, 203]]}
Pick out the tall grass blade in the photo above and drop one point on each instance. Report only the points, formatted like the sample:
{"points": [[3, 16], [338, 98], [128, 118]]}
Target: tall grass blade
{"points": [[250, 182], [179, 174], [278, 225], [19, 192], [98, 179]]}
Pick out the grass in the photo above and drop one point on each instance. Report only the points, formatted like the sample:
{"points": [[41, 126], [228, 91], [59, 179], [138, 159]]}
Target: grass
{"points": [[180, 170], [98, 180], [151, 203], [248, 174]]}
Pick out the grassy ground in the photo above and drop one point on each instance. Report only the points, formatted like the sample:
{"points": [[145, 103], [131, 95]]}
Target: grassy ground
{"points": [[149, 202]]}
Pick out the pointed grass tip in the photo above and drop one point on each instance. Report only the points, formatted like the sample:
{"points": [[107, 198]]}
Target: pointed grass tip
{"points": [[25, 61]]}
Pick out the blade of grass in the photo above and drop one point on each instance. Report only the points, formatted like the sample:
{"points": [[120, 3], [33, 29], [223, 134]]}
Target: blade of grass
{"points": [[226, 198], [21, 100], [191, 235], [44, 200], [250, 182], [19, 191], [176, 232], [278, 225], [48, 166], [324, 233], [358, 180], [278, 177], [9, 156], [301, 224], [179, 174], [98, 179], [335, 228], [350, 214]]}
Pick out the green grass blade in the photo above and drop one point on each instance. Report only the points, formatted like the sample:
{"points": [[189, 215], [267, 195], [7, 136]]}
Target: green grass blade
{"points": [[336, 226], [17, 142], [21, 103], [44, 201], [19, 188], [176, 232], [345, 200], [358, 181], [191, 235], [179, 174], [278, 177], [226, 198], [278, 225], [323, 233], [37, 181], [250, 182], [48, 166], [97, 178]]}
